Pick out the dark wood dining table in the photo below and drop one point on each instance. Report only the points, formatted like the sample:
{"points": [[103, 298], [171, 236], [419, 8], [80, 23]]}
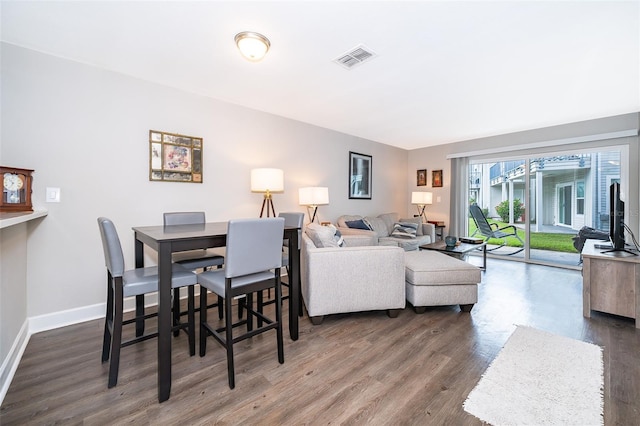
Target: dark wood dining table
{"points": [[166, 240]]}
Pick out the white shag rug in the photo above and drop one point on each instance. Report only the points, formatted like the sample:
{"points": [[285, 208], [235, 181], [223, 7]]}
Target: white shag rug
{"points": [[539, 378]]}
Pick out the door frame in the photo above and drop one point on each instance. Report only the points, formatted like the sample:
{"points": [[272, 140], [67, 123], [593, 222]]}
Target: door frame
{"points": [[559, 187]]}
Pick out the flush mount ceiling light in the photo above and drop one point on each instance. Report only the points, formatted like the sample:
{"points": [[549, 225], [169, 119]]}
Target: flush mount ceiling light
{"points": [[253, 46]]}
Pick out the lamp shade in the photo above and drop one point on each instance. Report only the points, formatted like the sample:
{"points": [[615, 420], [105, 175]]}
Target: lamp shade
{"points": [[263, 180], [313, 196], [421, 198], [253, 46]]}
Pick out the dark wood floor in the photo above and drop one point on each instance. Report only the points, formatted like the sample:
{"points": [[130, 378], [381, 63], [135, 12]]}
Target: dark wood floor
{"points": [[361, 368]]}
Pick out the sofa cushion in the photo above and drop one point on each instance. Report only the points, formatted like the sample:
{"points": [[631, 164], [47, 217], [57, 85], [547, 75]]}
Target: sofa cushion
{"points": [[416, 220], [324, 236], [404, 230], [378, 225], [428, 267], [407, 244], [389, 220], [358, 224]]}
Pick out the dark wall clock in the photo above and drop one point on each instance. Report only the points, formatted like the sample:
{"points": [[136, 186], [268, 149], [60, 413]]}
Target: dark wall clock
{"points": [[16, 189]]}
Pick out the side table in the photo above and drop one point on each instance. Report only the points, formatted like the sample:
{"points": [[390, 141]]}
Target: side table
{"points": [[439, 225]]}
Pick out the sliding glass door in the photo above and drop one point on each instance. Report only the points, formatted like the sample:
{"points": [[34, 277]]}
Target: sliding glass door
{"points": [[547, 199]]}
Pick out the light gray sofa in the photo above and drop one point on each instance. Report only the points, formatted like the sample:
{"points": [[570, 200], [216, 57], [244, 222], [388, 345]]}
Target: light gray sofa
{"points": [[356, 277], [383, 227]]}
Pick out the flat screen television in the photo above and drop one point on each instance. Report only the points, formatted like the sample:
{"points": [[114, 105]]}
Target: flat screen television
{"points": [[616, 219]]}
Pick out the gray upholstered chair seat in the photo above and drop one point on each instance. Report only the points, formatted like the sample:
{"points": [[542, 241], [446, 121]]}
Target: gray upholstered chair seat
{"points": [[215, 280], [196, 259], [145, 280]]}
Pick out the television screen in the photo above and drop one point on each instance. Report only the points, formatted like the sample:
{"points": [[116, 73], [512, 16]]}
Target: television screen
{"points": [[616, 219]]}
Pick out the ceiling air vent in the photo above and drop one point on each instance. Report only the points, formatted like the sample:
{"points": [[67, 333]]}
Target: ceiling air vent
{"points": [[355, 56]]}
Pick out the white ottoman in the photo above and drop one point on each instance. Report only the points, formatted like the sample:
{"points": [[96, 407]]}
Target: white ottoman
{"points": [[435, 279]]}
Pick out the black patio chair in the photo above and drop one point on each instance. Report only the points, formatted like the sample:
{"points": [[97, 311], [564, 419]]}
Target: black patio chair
{"points": [[492, 230]]}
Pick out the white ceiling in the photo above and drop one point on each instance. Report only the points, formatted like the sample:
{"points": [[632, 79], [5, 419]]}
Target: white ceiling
{"points": [[446, 70]]}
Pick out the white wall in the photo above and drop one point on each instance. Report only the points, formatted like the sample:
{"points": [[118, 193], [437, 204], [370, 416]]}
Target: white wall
{"points": [[85, 130], [13, 290]]}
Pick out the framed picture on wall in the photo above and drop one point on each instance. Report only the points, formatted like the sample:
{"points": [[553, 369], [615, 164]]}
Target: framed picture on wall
{"points": [[436, 179], [174, 157], [360, 176], [422, 177]]}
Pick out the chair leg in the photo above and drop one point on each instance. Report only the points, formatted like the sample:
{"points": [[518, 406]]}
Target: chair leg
{"points": [[260, 305], [229, 340], [191, 315], [249, 303], [241, 307], [108, 321], [116, 335], [220, 307], [203, 320], [140, 315], [279, 320], [176, 311]]}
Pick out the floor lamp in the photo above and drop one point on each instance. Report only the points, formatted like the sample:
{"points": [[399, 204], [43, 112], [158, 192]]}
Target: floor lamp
{"points": [[421, 199], [312, 197], [267, 181]]}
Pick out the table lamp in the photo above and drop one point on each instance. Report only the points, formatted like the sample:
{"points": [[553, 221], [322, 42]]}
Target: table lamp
{"points": [[421, 199], [312, 197], [267, 181]]}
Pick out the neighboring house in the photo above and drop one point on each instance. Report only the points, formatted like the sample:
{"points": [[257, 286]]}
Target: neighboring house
{"points": [[573, 190]]}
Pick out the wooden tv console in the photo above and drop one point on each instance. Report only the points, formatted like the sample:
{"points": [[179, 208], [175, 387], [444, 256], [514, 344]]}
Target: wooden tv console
{"points": [[610, 282]]}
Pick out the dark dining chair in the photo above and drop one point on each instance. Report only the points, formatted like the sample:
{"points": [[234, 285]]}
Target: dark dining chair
{"points": [[192, 259], [492, 230], [252, 265], [123, 283]]}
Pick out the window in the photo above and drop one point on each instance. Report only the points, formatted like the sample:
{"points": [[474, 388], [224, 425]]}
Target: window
{"points": [[580, 197], [561, 192]]}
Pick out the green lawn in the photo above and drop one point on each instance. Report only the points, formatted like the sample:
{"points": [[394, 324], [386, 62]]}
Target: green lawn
{"points": [[539, 240]]}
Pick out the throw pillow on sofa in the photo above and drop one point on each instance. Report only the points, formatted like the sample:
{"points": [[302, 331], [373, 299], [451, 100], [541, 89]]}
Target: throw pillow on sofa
{"points": [[337, 235], [417, 220], [358, 224], [404, 230], [324, 236]]}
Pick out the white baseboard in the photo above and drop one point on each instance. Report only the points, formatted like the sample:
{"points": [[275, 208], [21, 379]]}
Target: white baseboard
{"points": [[10, 364], [64, 318]]}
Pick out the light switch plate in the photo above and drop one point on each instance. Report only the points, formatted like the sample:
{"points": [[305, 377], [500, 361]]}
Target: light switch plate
{"points": [[53, 195]]}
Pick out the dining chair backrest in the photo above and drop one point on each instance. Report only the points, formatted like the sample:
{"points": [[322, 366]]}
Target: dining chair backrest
{"points": [[114, 258], [253, 245], [293, 219], [184, 218]]}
